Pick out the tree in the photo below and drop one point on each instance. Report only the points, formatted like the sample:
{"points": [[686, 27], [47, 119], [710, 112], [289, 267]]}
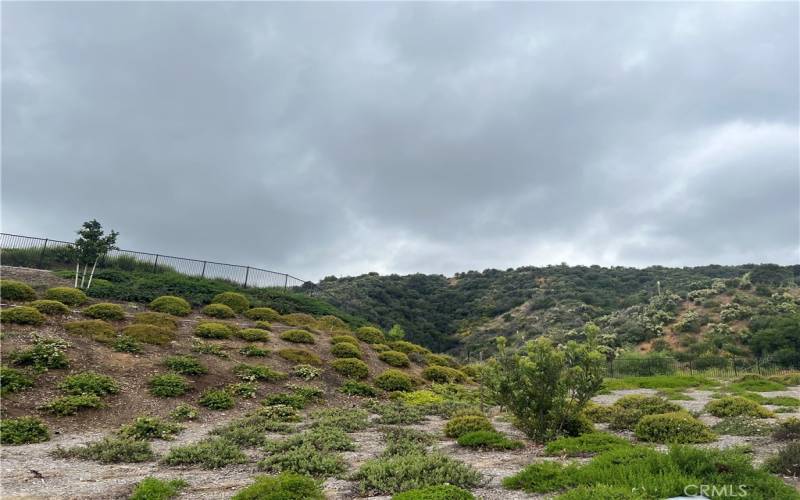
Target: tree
{"points": [[92, 244], [396, 333], [544, 386]]}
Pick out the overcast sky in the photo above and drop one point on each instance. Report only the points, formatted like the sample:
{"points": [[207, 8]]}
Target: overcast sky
{"points": [[321, 139]]}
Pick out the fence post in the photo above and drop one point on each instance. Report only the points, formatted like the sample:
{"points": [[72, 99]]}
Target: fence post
{"points": [[733, 360], [203, 274], [285, 281], [155, 264], [246, 275], [41, 255]]}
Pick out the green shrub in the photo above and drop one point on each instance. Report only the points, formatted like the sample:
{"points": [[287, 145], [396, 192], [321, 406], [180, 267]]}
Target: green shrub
{"points": [[184, 412], [89, 383], [282, 398], [677, 427], [598, 413], [123, 343], [45, 354], [16, 291], [21, 315], [263, 325], [305, 459], [236, 301], [788, 430], [284, 486], [253, 335], [414, 470], [66, 295], [210, 453], [348, 420], [349, 339], [756, 383], [253, 351], [332, 323], [408, 347], [209, 348], [355, 388], [70, 405], [149, 334], [394, 380], [13, 380], [370, 335], [94, 329], [50, 307], [396, 412], [186, 365], [350, 368], [162, 320], [735, 406], [105, 311], [442, 374], [219, 311], [458, 426], [402, 441], [306, 372], [394, 358], [243, 389], [262, 314], [628, 410], [23, 430], [217, 399], [298, 319], [298, 336], [250, 431], [787, 461], [151, 488], [585, 444], [149, 428], [279, 413], [210, 330], [168, 385], [743, 426], [255, 372], [170, 304], [438, 492], [300, 356], [491, 440], [422, 398], [545, 396], [110, 450], [346, 350], [441, 360]]}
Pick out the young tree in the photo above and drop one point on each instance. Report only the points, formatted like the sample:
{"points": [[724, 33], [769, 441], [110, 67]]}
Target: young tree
{"points": [[92, 244], [544, 386], [396, 333]]}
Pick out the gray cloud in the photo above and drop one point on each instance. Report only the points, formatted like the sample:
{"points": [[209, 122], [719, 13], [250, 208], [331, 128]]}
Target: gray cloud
{"points": [[343, 138]]}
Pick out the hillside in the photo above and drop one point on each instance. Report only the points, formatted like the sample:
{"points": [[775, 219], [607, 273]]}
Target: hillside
{"points": [[466, 312]]}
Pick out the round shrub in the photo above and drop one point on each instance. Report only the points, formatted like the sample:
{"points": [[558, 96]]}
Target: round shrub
{"points": [[217, 399], [263, 325], [13, 380], [50, 307], [735, 406], [628, 410], [168, 385], [284, 486], [298, 319], [332, 324], [407, 347], [149, 334], [492, 440], [170, 304], [345, 350], [210, 330], [186, 365], [441, 360], [89, 383], [235, 301], [443, 374], [298, 336], [300, 356], [394, 380], [438, 492], [156, 318], [458, 426], [23, 430], [675, 428], [253, 335], [219, 311], [16, 291], [105, 311], [394, 358], [95, 329], [370, 335], [262, 314], [66, 295], [350, 368], [22, 315], [380, 347], [338, 339]]}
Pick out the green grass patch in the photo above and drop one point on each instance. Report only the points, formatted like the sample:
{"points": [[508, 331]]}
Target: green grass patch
{"points": [[211, 453], [151, 488], [23, 430], [149, 428], [284, 486], [586, 444], [110, 450]]}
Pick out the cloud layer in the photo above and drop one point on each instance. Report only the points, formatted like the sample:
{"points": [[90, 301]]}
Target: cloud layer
{"points": [[343, 138]]}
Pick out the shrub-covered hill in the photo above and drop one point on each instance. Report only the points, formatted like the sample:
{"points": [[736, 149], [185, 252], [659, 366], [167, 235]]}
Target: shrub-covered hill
{"points": [[466, 312]]}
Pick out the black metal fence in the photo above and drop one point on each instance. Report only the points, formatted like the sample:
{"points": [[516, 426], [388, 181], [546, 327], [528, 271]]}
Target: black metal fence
{"points": [[44, 253], [719, 367]]}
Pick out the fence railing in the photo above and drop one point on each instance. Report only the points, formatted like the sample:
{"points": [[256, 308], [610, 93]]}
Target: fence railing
{"points": [[44, 253], [719, 367]]}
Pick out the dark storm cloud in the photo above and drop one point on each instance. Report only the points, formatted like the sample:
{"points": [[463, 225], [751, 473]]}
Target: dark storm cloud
{"points": [[343, 138]]}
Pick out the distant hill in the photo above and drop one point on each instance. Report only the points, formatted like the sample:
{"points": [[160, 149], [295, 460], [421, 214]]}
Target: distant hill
{"points": [[466, 312]]}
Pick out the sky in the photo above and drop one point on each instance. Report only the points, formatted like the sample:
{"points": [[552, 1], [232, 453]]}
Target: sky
{"points": [[342, 138]]}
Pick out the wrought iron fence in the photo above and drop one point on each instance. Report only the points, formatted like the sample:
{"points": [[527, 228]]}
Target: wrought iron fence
{"points": [[44, 253], [718, 367]]}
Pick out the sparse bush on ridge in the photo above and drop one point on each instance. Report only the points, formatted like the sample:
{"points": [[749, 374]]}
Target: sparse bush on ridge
{"points": [[219, 311], [105, 311], [346, 350], [262, 314], [394, 358], [170, 304], [149, 334], [66, 295], [370, 335], [16, 291], [298, 336], [394, 380], [236, 301], [22, 315], [50, 307], [211, 330], [350, 368]]}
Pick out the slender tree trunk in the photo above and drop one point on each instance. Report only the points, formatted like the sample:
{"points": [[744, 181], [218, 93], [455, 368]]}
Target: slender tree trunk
{"points": [[89, 285], [77, 271], [83, 276]]}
